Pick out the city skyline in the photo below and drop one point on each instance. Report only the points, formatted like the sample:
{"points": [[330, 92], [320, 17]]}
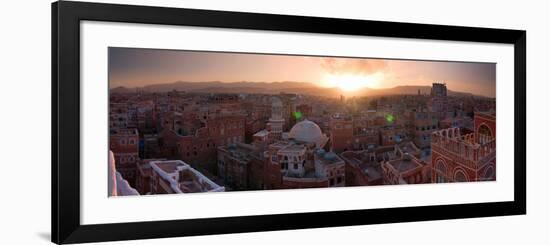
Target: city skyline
{"points": [[134, 67], [326, 123]]}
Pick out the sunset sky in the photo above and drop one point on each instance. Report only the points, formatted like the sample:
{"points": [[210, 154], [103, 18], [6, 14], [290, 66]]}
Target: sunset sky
{"points": [[131, 67]]}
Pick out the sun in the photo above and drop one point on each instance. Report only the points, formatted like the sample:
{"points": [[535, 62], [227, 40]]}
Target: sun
{"points": [[350, 82]]}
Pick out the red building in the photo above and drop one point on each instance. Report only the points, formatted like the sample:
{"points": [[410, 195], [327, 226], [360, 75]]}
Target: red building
{"points": [[460, 155], [485, 126], [408, 168], [118, 115], [297, 160], [145, 116], [124, 143], [363, 168], [143, 177], [341, 133], [391, 135], [200, 147], [401, 163], [241, 166], [306, 111], [439, 102], [352, 133], [424, 124]]}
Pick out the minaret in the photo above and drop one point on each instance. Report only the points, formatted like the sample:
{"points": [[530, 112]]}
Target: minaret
{"points": [[275, 123]]}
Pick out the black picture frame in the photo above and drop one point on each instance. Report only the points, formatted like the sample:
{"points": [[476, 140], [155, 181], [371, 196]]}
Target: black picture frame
{"points": [[66, 18]]}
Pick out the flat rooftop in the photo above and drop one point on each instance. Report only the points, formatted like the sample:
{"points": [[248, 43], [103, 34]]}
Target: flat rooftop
{"points": [[240, 151], [327, 158], [183, 178], [409, 148], [360, 159], [169, 166], [404, 165]]}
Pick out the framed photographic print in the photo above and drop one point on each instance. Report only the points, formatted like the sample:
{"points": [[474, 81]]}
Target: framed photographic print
{"points": [[176, 122]]}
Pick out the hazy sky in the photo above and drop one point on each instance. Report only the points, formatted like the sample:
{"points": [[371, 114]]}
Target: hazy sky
{"points": [[131, 67]]}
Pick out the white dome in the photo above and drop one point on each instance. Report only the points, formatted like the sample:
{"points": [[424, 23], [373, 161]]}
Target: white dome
{"points": [[306, 131]]}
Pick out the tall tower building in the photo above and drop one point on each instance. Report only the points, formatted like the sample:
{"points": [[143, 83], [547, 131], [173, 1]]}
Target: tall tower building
{"points": [[276, 121], [438, 102], [439, 89], [341, 133]]}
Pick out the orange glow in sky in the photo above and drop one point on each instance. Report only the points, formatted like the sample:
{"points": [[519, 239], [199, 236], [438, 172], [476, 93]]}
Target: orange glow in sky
{"points": [[352, 82], [133, 67]]}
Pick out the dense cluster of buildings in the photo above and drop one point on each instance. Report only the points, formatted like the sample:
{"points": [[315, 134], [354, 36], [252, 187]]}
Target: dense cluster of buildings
{"points": [[180, 142]]}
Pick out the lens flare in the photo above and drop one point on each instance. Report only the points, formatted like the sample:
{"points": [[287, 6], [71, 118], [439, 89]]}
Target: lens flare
{"points": [[390, 118], [297, 115]]}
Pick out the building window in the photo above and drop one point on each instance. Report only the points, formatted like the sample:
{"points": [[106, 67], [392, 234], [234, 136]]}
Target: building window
{"points": [[489, 173], [460, 177], [295, 166], [440, 166], [441, 170], [484, 130], [284, 166]]}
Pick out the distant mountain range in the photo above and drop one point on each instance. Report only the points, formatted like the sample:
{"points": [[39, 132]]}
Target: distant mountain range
{"points": [[275, 88]]}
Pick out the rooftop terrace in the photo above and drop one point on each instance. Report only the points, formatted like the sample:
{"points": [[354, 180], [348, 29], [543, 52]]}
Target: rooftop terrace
{"points": [[183, 178]]}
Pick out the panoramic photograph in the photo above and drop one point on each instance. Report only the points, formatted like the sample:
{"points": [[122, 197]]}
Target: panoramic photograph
{"points": [[184, 121]]}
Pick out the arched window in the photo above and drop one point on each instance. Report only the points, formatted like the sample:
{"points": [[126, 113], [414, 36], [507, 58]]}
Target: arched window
{"points": [[460, 176], [441, 166], [489, 173], [484, 130], [441, 170]]}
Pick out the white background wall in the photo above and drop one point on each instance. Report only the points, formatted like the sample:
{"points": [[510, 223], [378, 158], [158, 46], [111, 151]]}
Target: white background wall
{"points": [[25, 121]]}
